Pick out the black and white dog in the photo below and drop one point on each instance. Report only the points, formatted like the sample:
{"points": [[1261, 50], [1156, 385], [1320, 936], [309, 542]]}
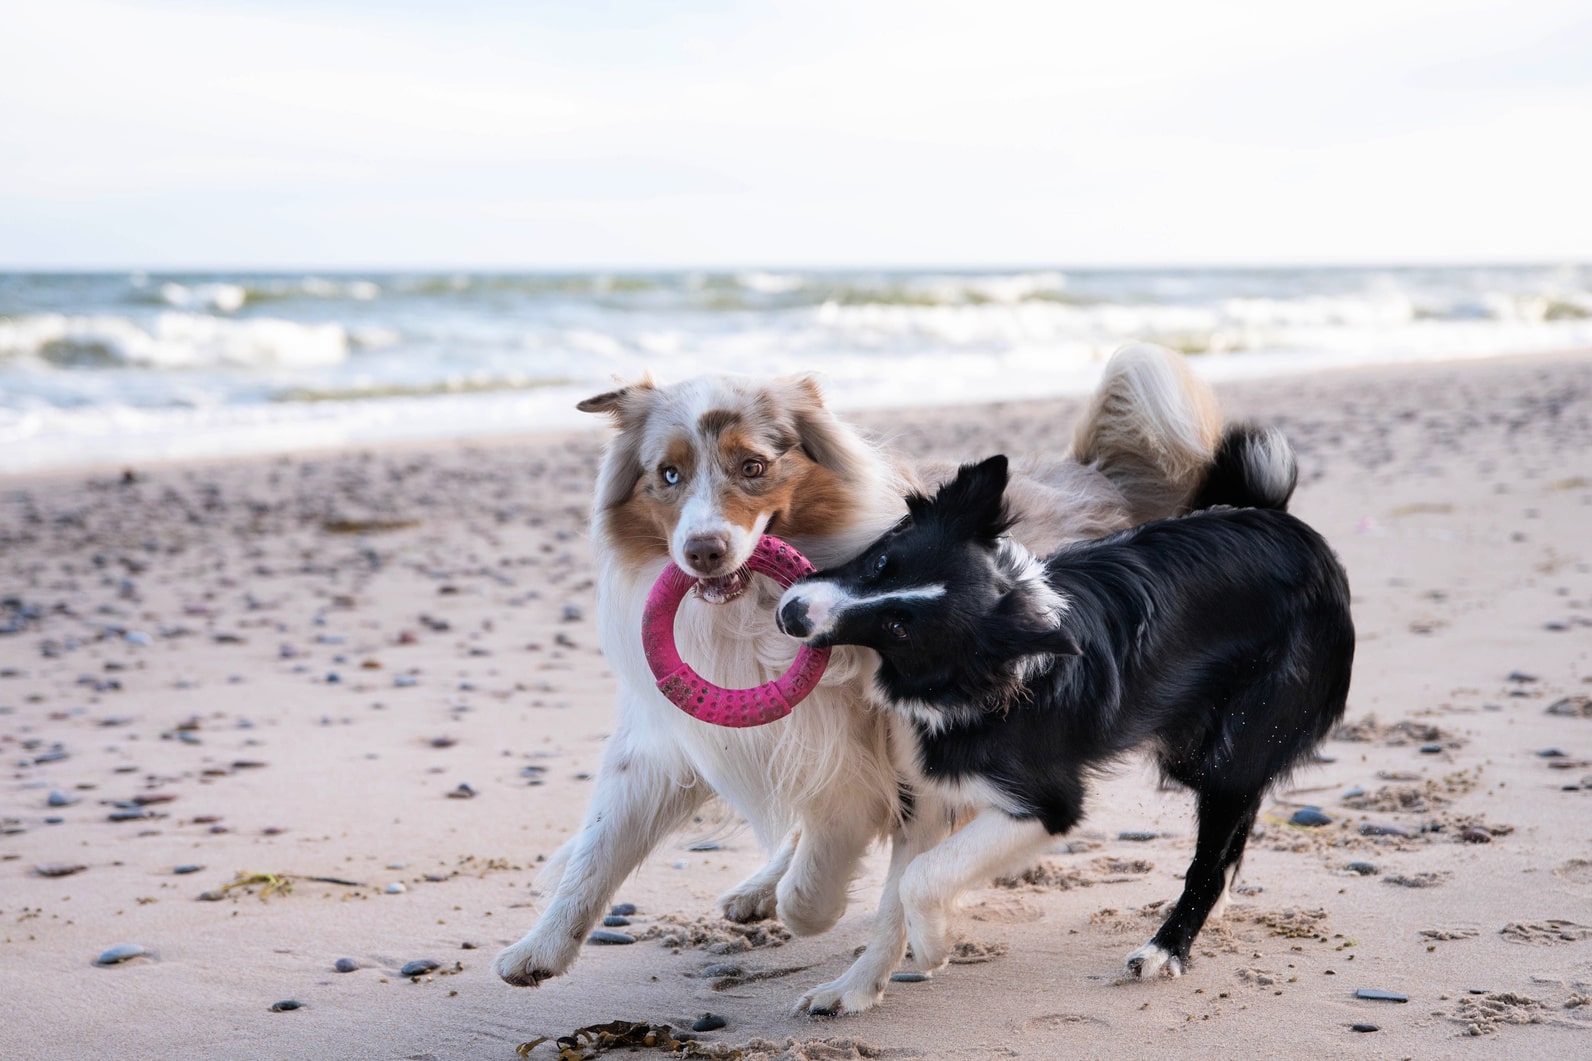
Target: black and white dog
{"points": [[1220, 641]]}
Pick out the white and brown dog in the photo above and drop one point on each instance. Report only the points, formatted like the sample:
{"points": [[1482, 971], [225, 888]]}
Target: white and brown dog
{"points": [[698, 472]]}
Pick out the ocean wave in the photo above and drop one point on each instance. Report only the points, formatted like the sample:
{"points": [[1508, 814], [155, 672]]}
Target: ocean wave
{"points": [[230, 296], [172, 340]]}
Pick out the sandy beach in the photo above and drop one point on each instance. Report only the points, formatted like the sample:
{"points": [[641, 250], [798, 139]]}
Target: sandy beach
{"points": [[260, 716]]}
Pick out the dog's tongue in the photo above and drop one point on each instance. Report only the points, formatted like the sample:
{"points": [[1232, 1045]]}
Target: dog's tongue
{"points": [[724, 589]]}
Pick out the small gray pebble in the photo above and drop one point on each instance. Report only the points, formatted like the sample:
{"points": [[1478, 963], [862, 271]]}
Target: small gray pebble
{"points": [[1364, 1028], [623, 909], [1376, 994], [419, 967], [615, 921], [908, 978], [708, 1022], [120, 953], [190, 868], [705, 845], [1364, 869], [1431, 749], [285, 1005], [1310, 817], [572, 613], [395, 888], [60, 799], [345, 965], [718, 969], [1137, 835], [613, 939]]}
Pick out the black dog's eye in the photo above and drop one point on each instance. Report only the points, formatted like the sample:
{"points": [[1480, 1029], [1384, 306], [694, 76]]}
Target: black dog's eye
{"points": [[897, 629], [670, 474], [879, 564]]}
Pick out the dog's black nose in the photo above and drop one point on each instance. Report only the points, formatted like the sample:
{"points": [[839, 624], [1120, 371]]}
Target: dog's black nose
{"points": [[792, 618], [705, 552]]}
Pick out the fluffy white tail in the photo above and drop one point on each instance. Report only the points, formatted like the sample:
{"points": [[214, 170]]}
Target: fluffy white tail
{"points": [[1151, 428]]}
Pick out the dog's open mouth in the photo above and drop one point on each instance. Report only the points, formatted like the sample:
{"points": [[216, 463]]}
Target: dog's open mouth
{"points": [[725, 588]]}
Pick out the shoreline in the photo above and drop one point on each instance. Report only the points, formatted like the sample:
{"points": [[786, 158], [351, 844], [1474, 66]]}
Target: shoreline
{"points": [[1231, 372], [297, 660]]}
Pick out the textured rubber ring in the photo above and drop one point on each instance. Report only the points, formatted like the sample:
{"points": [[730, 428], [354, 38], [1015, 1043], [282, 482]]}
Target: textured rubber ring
{"points": [[697, 696]]}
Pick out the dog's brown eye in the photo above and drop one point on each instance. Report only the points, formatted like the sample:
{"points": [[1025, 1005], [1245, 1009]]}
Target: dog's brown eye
{"points": [[897, 628], [670, 474], [752, 468]]}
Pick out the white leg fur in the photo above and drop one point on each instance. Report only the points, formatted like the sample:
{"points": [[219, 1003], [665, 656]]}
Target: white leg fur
{"points": [[753, 899], [1151, 959], [636, 803], [813, 894], [1219, 908], [992, 842], [862, 985]]}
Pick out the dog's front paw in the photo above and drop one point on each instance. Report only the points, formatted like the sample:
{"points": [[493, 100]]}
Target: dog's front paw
{"points": [[840, 998], [528, 962], [745, 904], [1151, 959]]}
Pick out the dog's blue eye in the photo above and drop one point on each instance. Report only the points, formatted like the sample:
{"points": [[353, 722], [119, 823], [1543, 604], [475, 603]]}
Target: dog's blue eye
{"points": [[671, 475], [879, 564]]}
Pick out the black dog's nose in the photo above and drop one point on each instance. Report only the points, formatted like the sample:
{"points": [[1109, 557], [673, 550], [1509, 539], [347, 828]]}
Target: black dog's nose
{"points": [[792, 618]]}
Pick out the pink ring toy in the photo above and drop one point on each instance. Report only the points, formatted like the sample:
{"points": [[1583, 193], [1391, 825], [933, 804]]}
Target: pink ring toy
{"points": [[697, 696]]}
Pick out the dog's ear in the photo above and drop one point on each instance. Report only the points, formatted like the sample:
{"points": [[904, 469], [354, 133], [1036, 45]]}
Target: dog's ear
{"points": [[975, 501], [1055, 642], [819, 433], [628, 406], [622, 404], [1029, 627]]}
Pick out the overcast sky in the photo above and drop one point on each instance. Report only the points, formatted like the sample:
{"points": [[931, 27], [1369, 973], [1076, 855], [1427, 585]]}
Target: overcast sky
{"points": [[860, 132]]}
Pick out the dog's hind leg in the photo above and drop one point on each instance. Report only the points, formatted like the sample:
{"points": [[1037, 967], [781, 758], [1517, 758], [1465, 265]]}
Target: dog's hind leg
{"points": [[638, 800], [991, 843], [812, 895], [1224, 823], [862, 985], [754, 898]]}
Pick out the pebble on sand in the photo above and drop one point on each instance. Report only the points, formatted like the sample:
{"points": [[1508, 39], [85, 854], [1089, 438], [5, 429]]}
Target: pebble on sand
{"points": [[1376, 994], [395, 888], [908, 977], [345, 965], [121, 953], [623, 909], [286, 1005], [615, 921], [419, 967], [464, 791], [1364, 1028], [1310, 817], [708, 1022], [59, 869], [611, 939], [1137, 835]]}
